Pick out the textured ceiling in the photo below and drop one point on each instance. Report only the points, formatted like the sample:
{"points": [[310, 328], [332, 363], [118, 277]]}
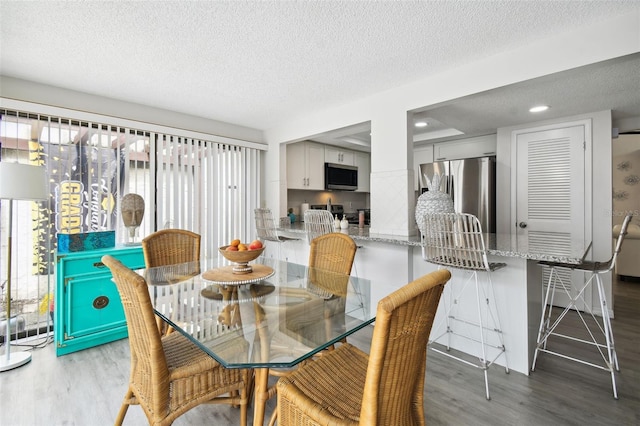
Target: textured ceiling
{"points": [[261, 63]]}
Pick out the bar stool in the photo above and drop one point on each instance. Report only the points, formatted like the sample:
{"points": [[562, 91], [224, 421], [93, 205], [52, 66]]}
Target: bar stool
{"points": [[455, 240], [602, 327], [316, 223], [267, 230]]}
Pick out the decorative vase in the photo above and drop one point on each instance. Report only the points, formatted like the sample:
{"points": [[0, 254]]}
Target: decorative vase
{"points": [[432, 201], [344, 223]]}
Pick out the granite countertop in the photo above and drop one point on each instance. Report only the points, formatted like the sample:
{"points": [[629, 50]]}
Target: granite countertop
{"points": [[359, 234], [497, 244]]}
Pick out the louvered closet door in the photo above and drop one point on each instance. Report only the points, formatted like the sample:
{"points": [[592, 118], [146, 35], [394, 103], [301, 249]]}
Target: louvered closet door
{"points": [[550, 194]]}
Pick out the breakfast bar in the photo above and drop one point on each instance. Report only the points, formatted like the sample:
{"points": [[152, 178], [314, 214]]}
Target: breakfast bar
{"points": [[395, 260]]}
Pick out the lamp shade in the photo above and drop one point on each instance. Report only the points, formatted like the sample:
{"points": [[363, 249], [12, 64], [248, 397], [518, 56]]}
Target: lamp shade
{"points": [[22, 182]]}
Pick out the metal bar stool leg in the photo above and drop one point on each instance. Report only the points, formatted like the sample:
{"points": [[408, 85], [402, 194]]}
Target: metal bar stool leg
{"points": [[495, 318], [483, 361], [608, 333]]}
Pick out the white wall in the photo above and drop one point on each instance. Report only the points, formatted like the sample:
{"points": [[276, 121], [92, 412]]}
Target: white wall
{"points": [[609, 39], [12, 88]]}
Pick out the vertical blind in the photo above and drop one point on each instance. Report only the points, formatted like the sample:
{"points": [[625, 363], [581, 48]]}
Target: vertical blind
{"points": [[204, 186], [207, 187]]}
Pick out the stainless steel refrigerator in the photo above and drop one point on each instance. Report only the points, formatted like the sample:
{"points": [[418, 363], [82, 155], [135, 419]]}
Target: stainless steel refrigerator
{"points": [[471, 183]]}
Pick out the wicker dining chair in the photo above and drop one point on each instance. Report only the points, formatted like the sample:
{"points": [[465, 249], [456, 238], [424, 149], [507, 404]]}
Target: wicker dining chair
{"points": [[171, 247], [332, 252], [348, 387], [330, 260], [169, 374]]}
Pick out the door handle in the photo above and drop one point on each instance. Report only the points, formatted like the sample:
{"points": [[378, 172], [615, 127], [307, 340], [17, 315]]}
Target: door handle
{"points": [[522, 225]]}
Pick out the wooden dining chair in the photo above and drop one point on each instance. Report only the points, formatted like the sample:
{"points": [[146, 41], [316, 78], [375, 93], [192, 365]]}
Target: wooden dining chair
{"points": [[386, 387], [170, 374]]}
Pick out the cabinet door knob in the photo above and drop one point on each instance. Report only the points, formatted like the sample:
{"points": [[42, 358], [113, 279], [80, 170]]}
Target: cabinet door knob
{"points": [[100, 302], [522, 225], [99, 265]]}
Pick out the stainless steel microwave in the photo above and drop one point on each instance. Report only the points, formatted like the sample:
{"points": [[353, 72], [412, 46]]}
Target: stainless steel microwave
{"points": [[340, 176]]}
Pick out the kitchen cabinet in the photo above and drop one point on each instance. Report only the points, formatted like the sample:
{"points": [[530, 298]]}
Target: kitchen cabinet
{"points": [[88, 311], [362, 160], [481, 146], [305, 166], [421, 155], [339, 156]]}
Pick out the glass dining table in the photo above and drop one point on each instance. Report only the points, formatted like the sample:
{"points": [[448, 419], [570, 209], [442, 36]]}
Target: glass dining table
{"points": [[277, 315]]}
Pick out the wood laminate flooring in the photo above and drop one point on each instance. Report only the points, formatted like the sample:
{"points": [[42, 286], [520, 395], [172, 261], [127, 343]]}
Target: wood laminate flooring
{"points": [[86, 388]]}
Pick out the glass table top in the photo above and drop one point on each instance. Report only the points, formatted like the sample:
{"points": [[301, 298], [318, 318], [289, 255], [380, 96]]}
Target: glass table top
{"points": [[275, 316]]}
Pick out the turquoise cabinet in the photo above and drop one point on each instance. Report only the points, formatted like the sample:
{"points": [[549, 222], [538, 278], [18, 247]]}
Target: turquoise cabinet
{"points": [[88, 311]]}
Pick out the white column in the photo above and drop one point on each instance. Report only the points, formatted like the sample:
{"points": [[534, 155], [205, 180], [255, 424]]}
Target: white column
{"points": [[392, 192]]}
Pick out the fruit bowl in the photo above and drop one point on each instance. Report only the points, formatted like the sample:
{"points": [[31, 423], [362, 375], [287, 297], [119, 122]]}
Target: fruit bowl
{"points": [[241, 258]]}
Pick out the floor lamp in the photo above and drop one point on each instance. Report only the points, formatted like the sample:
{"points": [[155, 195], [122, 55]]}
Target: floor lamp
{"points": [[18, 182]]}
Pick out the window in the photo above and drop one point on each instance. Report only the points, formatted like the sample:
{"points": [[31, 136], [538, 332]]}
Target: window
{"points": [[205, 186]]}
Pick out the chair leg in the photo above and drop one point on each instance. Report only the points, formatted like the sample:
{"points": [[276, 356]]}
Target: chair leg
{"points": [[608, 334], [123, 408], [610, 360], [273, 418], [488, 321], [483, 361]]}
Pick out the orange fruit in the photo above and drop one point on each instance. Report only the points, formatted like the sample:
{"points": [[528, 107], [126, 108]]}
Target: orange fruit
{"points": [[242, 247], [234, 243]]}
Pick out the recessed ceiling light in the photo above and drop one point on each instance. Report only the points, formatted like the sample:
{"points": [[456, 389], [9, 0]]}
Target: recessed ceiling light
{"points": [[539, 108], [421, 124]]}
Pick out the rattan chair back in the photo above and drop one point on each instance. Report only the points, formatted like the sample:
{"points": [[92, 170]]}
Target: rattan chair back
{"points": [[170, 247], [398, 355], [316, 223], [347, 387], [330, 260], [332, 252], [169, 374]]}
